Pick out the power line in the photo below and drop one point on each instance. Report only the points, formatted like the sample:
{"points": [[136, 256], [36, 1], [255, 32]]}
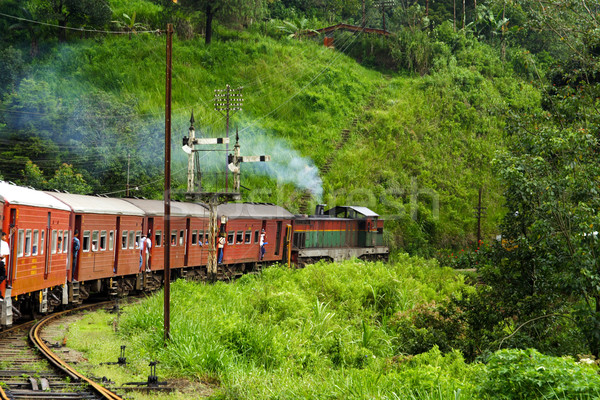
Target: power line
{"points": [[157, 31]]}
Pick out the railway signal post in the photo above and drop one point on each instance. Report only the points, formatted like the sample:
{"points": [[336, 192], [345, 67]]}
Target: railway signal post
{"points": [[213, 199], [236, 159]]}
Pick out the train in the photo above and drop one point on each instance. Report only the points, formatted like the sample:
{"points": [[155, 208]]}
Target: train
{"points": [[44, 273]]}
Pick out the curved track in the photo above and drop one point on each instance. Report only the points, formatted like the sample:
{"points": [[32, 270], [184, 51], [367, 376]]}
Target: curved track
{"points": [[33, 371]]}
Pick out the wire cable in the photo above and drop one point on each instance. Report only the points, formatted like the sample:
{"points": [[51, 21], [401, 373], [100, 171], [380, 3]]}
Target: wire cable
{"points": [[157, 31]]}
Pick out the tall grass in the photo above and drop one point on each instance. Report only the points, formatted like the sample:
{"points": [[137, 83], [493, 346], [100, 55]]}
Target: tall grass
{"points": [[319, 332]]}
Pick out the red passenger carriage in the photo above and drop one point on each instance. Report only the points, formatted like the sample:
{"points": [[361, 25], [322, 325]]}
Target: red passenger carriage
{"points": [[39, 227], [244, 222], [109, 232]]}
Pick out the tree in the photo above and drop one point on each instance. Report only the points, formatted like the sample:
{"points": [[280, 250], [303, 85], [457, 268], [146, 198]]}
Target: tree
{"points": [[65, 178], [225, 10], [33, 177], [78, 13]]}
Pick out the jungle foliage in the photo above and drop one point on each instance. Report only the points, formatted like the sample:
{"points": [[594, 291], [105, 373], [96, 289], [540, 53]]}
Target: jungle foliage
{"points": [[326, 331], [491, 94]]}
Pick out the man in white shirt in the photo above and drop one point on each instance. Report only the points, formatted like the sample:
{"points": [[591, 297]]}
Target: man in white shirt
{"points": [[4, 254], [148, 244], [141, 245]]}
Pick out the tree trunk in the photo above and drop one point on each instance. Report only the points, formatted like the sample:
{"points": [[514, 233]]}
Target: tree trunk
{"points": [[209, 19], [454, 15], [62, 31]]}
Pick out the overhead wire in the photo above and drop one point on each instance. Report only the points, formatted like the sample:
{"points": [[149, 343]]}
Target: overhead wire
{"points": [[75, 29]]}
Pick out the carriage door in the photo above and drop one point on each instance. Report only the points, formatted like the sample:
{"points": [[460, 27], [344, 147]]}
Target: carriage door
{"points": [[76, 227], [187, 242], [12, 262], [118, 245], [278, 238]]}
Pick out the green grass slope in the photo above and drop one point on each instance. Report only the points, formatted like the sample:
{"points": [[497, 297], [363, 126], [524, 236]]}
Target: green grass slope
{"points": [[417, 151]]}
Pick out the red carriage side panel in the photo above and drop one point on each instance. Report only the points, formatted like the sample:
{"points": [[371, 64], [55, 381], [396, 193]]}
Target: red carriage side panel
{"points": [[249, 219], [40, 251], [39, 239], [108, 228]]}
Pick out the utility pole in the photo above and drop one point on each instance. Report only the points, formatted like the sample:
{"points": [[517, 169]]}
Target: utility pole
{"points": [[127, 187], [167, 192], [480, 212], [227, 102], [383, 4]]}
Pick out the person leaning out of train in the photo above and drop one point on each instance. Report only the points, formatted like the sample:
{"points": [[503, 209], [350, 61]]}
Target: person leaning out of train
{"points": [[263, 242], [142, 246], [148, 246], [4, 254], [221, 245], [76, 245]]}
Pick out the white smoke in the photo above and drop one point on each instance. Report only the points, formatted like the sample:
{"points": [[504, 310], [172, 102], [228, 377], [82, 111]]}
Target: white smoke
{"points": [[286, 165]]}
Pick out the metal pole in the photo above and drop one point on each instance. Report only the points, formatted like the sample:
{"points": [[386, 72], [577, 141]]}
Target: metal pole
{"points": [[128, 161], [227, 144], [167, 193]]}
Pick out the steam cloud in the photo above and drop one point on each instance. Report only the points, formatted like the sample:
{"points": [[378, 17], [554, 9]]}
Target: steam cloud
{"points": [[286, 165]]}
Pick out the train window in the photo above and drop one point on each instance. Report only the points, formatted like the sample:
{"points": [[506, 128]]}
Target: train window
{"points": [[103, 240], [54, 240], [206, 235], [95, 238], [28, 242], [239, 238], [59, 241], [194, 236], [138, 239], [20, 243], [111, 240], [255, 237], [124, 240], [230, 236], [132, 239], [34, 245], [174, 237], [181, 238], [85, 243], [200, 238], [157, 238], [66, 242], [42, 243], [248, 238]]}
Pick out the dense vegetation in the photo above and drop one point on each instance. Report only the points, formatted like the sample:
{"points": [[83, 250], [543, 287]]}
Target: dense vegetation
{"points": [[491, 94], [332, 331]]}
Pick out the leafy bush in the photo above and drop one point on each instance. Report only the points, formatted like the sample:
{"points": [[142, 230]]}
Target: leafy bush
{"points": [[528, 374]]}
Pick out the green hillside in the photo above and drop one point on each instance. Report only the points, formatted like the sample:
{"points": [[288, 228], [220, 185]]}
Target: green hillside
{"points": [[416, 148]]}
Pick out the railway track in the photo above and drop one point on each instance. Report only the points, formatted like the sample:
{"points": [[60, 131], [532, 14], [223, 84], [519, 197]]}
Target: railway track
{"points": [[30, 369]]}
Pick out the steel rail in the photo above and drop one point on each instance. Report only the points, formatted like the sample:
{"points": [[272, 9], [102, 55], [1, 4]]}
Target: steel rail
{"points": [[3, 395], [34, 336]]}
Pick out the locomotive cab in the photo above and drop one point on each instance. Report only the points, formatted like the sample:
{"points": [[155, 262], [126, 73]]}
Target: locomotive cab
{"points": [[341, 233]]}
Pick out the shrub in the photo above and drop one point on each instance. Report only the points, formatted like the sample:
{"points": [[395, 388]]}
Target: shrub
{"points": [[528, 374]]}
